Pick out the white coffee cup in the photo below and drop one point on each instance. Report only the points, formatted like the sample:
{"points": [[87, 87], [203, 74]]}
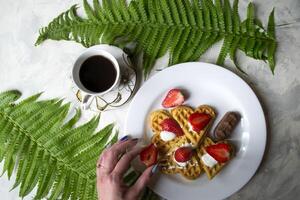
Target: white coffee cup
{"points": [[86, 93]]}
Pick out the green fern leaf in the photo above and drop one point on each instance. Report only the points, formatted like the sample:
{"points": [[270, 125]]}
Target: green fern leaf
{"points": [[166, 12], [89, 11], [47, 153], [123, 10], [98, 12], [236, 17], [189, 12], [22, 162], [225, 49], [213, 15], [148, 23], [9, 97], [177, 49], [219, 10], [188, 54], [182, 12], [250, 19], [174, 12], [232, 52], [228, 16], [198, 14], [272, 45], [116, 12], [206, 43], [158, 11], [206, 16]]}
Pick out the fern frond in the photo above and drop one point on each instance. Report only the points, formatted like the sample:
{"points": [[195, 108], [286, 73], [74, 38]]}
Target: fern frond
{"points": [[272, 45], [213, 15], [225, 49], [89, 11], [148, 23], [250, 19], [53, 156], [9, 97], [219, 10], [236, 17], [232, 52]]}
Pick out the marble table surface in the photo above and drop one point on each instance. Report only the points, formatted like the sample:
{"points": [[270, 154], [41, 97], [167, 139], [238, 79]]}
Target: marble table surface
{"points": [[48, 68]]}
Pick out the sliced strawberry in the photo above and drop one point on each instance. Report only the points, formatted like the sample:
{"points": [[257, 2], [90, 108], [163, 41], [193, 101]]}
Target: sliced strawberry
{"points": [[171, 125], [183, 154], [199, 121], [220, 152], [149, 155], [173, 98]]}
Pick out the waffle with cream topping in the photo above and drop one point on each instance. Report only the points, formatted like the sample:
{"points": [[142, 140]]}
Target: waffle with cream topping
{"points": [[167, 148], [181, 115], [191, 171], [199, 141], [213, 171], [156, 119]]}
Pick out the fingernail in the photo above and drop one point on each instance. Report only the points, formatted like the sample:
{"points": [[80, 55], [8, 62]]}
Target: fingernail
{"points": [[154, 169], [124, 138]]}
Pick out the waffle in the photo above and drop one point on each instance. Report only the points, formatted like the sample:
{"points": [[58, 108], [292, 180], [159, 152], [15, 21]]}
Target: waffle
{"points": [[167, 165], [191, 171], [181, 115], [166, 149], [156, 119], [210, 172]]}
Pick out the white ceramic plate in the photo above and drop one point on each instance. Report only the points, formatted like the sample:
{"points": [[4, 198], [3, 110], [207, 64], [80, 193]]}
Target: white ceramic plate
{"points": [[225, 91]]}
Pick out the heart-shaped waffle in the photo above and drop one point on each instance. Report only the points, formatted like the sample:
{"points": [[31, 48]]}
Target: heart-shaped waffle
{"points": [[194, 167], [211, 172], [156, 119], [181, 115], [191, 171], [166, 149]]}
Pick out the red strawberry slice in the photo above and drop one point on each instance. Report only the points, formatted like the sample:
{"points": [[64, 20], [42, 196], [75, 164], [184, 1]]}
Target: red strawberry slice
{"points": [[149, 155], [183, 154], [199, 121], [220, 152], [172, 126], [173, 98]]}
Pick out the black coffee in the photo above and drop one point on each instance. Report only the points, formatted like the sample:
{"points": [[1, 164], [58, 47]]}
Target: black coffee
{"points": [[97, 74]]}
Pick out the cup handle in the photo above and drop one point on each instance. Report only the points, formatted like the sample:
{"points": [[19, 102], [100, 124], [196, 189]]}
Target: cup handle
{"points": [[86, 101]]}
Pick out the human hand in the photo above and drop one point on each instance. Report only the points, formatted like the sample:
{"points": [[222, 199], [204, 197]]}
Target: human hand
{"points": [[111, 169]]}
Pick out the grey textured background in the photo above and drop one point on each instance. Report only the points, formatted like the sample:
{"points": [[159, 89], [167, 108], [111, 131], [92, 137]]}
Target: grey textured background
{"points": [[48, 68]]}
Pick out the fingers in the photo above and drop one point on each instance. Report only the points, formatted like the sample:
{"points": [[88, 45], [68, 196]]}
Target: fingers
{"points": [[124, 163], [110, 156], [141, 183]]}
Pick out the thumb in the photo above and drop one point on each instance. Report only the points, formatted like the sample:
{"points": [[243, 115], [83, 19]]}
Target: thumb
{"points": [[141, 183]]}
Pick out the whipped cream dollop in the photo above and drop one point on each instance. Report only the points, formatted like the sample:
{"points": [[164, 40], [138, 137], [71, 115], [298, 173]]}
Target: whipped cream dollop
{"points": [[181, 164], [191, 127], [167, 136], [208, 160], [186, 145]]}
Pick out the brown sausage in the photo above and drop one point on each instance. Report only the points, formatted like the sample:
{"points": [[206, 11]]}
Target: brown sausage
{"points": [[226, 125]]}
